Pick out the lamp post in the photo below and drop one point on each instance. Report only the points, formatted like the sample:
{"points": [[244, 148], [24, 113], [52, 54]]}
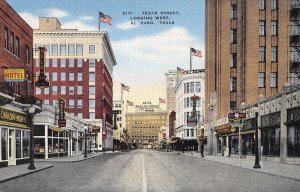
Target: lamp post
{"points": [[242, 107], [31, 112], [182, 142], [256, 164], [113, 148], [85, 147]]}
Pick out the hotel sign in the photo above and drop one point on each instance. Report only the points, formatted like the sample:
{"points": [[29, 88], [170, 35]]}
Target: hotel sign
{"points": [[14, 75], [42, 78], [12, 118], [61, 119]]}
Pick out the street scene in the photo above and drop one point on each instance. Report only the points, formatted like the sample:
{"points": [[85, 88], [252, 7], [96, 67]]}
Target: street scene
{"points": [[150, 95]]}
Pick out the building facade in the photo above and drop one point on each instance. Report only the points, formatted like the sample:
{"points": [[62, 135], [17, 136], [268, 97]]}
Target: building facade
{"points": [[171, 80], [16, 87], [143, 127], [189, 84], [120, 133], [79, 66], [252, 49]]}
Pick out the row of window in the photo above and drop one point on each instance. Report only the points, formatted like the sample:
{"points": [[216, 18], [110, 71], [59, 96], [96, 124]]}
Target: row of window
{"points": [[63, 63], [188, 102], [65, 49], [71, 103], [63, 90], [71, 76], [192, 87], [12, 44]]}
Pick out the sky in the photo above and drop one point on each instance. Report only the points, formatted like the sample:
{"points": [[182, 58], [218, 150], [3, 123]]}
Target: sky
{"points": [[144, 52]]}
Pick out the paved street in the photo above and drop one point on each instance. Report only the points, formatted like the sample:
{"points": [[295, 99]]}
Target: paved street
{"points": [[148, 170]]}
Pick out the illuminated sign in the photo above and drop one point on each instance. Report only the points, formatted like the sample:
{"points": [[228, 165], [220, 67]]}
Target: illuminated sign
{"points": [[42, 78], [61, 119], [14, 75], [12, 118]]}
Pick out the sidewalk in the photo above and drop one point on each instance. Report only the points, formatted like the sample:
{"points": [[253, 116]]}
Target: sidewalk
{"points": [[279, 169]]}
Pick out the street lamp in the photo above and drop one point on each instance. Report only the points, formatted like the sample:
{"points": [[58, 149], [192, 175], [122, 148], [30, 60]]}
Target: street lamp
{"points": [[256, 108], [113, 148], [242, 107], [85, 147], [30, 112], [182, 142]]}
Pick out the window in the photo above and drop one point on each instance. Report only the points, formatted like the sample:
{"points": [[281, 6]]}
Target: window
{"points": [[233, 60], [54, 90], [79, 49], [46, 101], [274, 80], [233, 36], [54, 76], [71, 62], [262, 5], [79, 103], [293, 146], [6, 38], [63, 49], [4, 144], [79, 90], [27, 54], [274, 28], [274, 5], [63, 63], [79, 62], [54, 103], [91, 115], [262, 29], [47, 47], [71, 103], [294, 54], [187, 87], [274, 54], [294, 79], [63, 90], [233, 11], [271, 141], [71, 49], [261, 80], [71, 76], [262, 54], [54, 48], [92, 63], [71, 90], [233, 84], [91, 76], [17, 52], [37, 62], [47, 62], [12, 42], [46, 91], [92, 103], [79, 76], [233, 105], [37, 91], [62, 76], [92, 90], [192, 87], [198, 87], [54, 62], [91, 48]]}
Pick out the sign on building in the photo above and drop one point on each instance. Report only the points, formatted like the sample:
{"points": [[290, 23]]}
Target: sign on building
{"points": [[14, 75], [42, 78], [61, 119]]}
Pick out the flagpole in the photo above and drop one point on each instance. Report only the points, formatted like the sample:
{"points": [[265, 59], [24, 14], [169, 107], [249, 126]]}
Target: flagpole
{"points": [[190, 58], [99, 21]]}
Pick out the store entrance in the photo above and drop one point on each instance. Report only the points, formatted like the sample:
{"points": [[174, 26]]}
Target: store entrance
{"points": [[11, 147]]}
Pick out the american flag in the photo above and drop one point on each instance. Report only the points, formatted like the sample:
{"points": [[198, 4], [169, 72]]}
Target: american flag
{"points": [[181, 71], [124, 87], [129, 103], [196, 52], [162, 100], [104, 18]]}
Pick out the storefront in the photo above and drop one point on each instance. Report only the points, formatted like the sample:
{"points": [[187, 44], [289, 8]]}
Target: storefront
{"points": [[270, 134], [247, 134], [293, 128], [15, 138], [227, 140]]}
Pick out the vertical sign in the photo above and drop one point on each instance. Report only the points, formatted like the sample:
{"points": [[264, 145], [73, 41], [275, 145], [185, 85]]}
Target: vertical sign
{"points": [[42, 79], [61, 119], [104, 123]]}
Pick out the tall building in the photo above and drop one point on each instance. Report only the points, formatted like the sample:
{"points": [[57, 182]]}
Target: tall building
{"points": [[171, 79], [120, 134], [143, 126], [16, 87], [189, 115], [79, 66], [252, 49]]}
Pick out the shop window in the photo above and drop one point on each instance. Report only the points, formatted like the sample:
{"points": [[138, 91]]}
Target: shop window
{"points": [[39, 145], [219, 145], [39, 130], [4, 143], [18, 144], [293, 144], [234, 144], [248, 144], [271, 142], [26, 143]]}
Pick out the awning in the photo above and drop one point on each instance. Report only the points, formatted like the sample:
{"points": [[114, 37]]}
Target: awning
{"points": [[58, 129], [248, 132]]}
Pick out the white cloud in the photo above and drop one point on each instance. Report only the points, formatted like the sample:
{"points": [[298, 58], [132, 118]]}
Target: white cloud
{"points": [[86, 18], [81, 26], [126, 25], [54, 12], [32, 20]]}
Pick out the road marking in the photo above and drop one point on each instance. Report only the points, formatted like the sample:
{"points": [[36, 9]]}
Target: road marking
{"points": [[144, 174]]}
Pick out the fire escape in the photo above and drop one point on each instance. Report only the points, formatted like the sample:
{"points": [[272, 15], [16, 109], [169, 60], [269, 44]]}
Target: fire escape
{"points": [[295, 39]]}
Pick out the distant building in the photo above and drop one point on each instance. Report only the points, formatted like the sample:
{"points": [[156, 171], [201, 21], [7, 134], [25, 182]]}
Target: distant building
{"points": [[143, 127], [120, 134], [171, 80], [79, 66]]}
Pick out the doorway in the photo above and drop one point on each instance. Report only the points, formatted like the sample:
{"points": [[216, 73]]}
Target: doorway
{"points": [[11, 147]]}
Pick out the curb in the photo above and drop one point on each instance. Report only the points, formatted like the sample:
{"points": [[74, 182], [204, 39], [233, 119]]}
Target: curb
{"points": [[254, 170], [71, 161], [22, 175]]}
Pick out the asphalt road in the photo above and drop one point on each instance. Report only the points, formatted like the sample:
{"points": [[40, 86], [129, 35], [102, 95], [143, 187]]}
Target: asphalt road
{"points": [[148, 170]]}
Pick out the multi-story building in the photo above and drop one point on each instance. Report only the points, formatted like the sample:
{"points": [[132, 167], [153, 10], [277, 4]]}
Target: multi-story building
{"points": [[16, 87], [171, 80], [143, 127], [79, 66], [189, 84], [252, 49], [119, 122]]}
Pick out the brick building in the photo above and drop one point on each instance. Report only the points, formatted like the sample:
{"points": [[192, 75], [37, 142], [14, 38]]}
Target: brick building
{"points": [[79, 66]]}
